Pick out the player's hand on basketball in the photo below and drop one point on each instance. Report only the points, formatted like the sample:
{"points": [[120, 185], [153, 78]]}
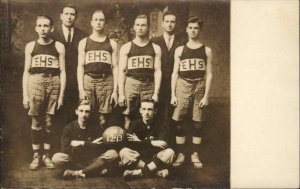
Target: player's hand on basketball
{"points": [[203, 102], [114, 98], [122, 100], [76, 143], [98, 140], [174, 101], [83, 95], [132, 137], [26, 102], [60, 102], [159, 143], [155, 97]]}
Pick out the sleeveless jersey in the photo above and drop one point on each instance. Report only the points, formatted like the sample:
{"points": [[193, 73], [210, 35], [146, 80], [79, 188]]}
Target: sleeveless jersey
{"points": [[141, 61], [45, 59], [193, 63], [98, 57]]}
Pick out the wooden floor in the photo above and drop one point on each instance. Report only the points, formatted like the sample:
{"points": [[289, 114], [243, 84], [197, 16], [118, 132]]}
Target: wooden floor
{"points": [[16, 155]]}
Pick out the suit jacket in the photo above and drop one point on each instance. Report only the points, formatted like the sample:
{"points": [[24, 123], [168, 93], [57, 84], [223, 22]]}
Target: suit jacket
{"points": [[167, 63], [71, 54], [167, 59]]}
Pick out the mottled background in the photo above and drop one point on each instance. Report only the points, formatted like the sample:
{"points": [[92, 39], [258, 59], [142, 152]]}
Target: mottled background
{"points": [[215, 15]]}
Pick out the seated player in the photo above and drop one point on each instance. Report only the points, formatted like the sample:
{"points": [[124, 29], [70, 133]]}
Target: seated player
{"points": [[82, 148], [146, 152]]}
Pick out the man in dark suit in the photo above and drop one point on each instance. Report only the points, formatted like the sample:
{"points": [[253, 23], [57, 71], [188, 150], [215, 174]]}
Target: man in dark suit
{"points": [[70, 36], [168, 42]]}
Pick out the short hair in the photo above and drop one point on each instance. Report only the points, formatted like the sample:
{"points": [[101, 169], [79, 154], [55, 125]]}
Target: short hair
{"points": [[46, 17], [69, 6], [97, 11], [84, 102], [142, 16], [169, 12], [195, 19], [149, 101]]}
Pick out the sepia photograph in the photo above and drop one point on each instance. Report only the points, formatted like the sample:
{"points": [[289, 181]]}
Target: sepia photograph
{"points": [[115, 94], [149, 94]]}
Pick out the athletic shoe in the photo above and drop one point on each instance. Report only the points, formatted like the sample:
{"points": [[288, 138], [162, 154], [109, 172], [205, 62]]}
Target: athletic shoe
{"points": [[69, 174], [195, 161], [35, 164], [48, 163], [103, 172], [132, 173], [163, 173], [179, 161]]}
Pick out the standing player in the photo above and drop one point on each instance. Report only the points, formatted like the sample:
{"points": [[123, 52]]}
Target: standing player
{"points": [[168, 42], [44, 81], [97, 71], [82, 148], [146, 152], [70, 36], [141, 60], [191, 82]]}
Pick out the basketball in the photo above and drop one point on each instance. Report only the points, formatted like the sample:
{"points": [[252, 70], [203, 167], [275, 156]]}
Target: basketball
{"points": [[114, 136]]}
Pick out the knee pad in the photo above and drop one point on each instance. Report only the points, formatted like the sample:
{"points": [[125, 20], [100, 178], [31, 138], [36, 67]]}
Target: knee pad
{"points": [[180, 131], [36, 126], [102, 120], [48, 126], [110, 155], [197, 130]]}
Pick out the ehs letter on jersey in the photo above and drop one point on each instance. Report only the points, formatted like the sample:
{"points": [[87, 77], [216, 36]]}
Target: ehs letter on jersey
{"points": [[97, 56], [192, 64], [140, 62], [45, 61]]}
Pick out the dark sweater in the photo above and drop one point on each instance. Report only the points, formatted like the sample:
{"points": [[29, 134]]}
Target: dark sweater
{"points": [[88, 150], [155, 132]]}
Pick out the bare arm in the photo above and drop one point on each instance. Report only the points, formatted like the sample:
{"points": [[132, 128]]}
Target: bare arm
{"points": [[122, 69], [114, 62], [175, 74], [208, 78], [61, 50], [28, 50], [80, 68], [157, 71]]}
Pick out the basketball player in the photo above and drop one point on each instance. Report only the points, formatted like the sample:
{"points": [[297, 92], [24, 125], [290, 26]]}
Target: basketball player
{"points": [[82, 148], [44, 81], [146, 152], [97, 71], [141, 60], [191, 82]]}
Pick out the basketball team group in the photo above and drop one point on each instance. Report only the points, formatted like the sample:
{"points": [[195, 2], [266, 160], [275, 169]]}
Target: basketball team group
{"points": [[157, 83]]}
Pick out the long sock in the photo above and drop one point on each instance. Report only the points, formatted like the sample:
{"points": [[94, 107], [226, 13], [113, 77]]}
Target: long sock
{"points": [[159, 163], [146, 171], [180, 148], [95, 166], [48, 137], [36, 138]]}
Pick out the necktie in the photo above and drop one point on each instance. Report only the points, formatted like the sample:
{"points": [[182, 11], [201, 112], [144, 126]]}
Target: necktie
{"points": [[169, 42], [69, 36]]}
